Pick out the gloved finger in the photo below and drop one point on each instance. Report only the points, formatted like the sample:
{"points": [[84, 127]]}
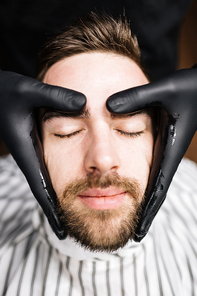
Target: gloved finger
{"points": [[20, 96], [170, 93], [27, 93], [176, 98]]}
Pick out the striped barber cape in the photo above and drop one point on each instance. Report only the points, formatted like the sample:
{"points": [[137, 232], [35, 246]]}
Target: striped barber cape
{"points": [[33, 262]]}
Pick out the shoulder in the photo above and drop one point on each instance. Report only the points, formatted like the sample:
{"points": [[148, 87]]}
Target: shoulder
{"points": [[181, 200], [186, 176], [12, 182], [10, 175], [174, 230], [16, 200], [176, 221], [182, 194]]}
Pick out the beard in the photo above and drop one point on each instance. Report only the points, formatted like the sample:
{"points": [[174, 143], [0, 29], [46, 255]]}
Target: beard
{"points": [[101, 230]]}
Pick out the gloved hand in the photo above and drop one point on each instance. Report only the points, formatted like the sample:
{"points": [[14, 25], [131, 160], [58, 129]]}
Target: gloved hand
{"points": [[20, 96], [176, 95]]}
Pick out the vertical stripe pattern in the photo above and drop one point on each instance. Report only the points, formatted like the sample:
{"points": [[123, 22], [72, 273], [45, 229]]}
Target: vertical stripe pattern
{"points": [[164, 263]]}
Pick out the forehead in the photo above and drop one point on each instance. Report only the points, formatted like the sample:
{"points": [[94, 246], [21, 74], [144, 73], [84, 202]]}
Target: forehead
{"points": [[97, 75]]}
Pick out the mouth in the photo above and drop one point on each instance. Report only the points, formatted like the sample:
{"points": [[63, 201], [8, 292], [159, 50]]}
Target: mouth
{"points": [[102, 199]]}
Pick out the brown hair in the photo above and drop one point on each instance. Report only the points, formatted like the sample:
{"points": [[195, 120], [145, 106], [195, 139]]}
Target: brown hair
{"points": [[92, 33]]}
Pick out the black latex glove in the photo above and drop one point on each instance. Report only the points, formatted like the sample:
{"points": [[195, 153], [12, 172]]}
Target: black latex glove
{"points": [[20, 96], [177, 96]]}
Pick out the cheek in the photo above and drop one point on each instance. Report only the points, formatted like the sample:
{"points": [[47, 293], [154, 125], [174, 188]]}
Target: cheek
{"points": [[136, 159], [63, 163]]}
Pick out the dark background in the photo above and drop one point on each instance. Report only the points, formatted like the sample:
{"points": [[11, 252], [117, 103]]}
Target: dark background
{"points": [[188, 57], [166, 32]]}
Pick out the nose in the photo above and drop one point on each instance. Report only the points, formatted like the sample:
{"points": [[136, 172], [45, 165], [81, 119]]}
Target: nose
{"points": [[101, 156]]}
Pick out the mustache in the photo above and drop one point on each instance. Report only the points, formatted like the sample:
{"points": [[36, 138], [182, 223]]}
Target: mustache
{"points": [[76, 187]]}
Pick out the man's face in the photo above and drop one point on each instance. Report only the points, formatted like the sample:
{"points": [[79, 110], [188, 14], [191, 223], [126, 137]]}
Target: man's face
{"points": [[99, 164]]}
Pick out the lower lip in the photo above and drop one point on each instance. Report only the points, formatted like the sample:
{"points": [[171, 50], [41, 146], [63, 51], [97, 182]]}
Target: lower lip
{"points": [[103, 202]]}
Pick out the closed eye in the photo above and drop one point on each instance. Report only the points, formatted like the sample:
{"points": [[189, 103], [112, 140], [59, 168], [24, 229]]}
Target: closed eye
{"points": [[67, 135], [132, 135]]}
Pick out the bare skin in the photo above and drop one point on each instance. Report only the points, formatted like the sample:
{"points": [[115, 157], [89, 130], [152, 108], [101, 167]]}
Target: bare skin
{"points": [[99, 146]]}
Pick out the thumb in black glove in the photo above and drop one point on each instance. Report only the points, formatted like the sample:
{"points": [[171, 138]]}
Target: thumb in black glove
{"points": [[176, 96], [20, 96]]}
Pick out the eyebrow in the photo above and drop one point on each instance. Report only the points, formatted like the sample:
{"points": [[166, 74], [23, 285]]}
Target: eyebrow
{"points": [[85, 114], [127, 115], [50, 114]]}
